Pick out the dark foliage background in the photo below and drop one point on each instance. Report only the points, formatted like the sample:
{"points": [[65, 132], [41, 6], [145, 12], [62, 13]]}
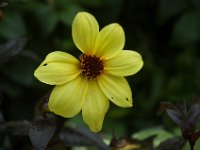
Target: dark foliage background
{"points": [[165, 32]]}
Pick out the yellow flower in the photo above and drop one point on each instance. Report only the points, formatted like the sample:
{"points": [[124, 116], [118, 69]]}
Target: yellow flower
{"points": [[89, 83]]}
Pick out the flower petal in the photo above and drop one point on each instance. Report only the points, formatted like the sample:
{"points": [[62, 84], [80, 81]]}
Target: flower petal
{"points": [[125, 63], [110, 40], [66, 100], [57, 68], [116, 89], [84, 32], [95, 107]]}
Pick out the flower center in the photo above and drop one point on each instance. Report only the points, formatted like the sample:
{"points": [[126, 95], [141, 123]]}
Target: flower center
{"points": [[91, 66]]}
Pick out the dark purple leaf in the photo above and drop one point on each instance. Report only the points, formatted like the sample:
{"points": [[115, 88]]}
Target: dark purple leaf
{"points": [[175, 116], [41, 133], [82, 137], [194, 114], [18, 127], [11, 48], [181, 106], [175, 143]]}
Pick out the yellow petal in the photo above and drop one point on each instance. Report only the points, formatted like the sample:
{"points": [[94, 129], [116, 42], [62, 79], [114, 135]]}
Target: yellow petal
{"points": [[84, 32], [125, 63], [94, 107], [116, 89], [57, 68], [66, 100], [110, 41]]}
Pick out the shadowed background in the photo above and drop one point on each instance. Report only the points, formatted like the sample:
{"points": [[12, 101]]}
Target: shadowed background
{"points": [[165, 32]]}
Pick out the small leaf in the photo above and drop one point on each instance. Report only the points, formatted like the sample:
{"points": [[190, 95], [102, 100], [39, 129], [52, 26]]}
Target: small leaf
{"points": [[181, 107], [11, 48], [82, 137], [175, 143], [41, 133], [175, 116], [193, 115], [194, 112]]}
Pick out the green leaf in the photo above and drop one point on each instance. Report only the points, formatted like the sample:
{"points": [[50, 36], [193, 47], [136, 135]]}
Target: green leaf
{"points": [[197, 144], [12, 26], [187, 29], [161, 135]]}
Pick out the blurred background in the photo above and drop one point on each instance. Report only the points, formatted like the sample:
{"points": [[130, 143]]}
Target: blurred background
{"points": [[165, 32]]}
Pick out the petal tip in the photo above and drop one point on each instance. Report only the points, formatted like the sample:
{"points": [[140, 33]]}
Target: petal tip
{"points": [[94, 128], [83, 13], [36, 73]]}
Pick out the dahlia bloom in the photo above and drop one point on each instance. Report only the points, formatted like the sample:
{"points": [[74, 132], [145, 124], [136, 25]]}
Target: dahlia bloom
{"points": [[88, 83]]}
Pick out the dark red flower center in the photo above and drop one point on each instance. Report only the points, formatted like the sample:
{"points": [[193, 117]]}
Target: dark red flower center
{"points": [[91, 66]]}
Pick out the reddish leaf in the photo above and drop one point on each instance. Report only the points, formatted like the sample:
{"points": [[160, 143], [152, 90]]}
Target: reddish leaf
{"points": [[164, 106]]}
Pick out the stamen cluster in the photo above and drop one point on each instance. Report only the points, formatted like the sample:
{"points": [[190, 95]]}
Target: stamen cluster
{"points": [[91, 66]]}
